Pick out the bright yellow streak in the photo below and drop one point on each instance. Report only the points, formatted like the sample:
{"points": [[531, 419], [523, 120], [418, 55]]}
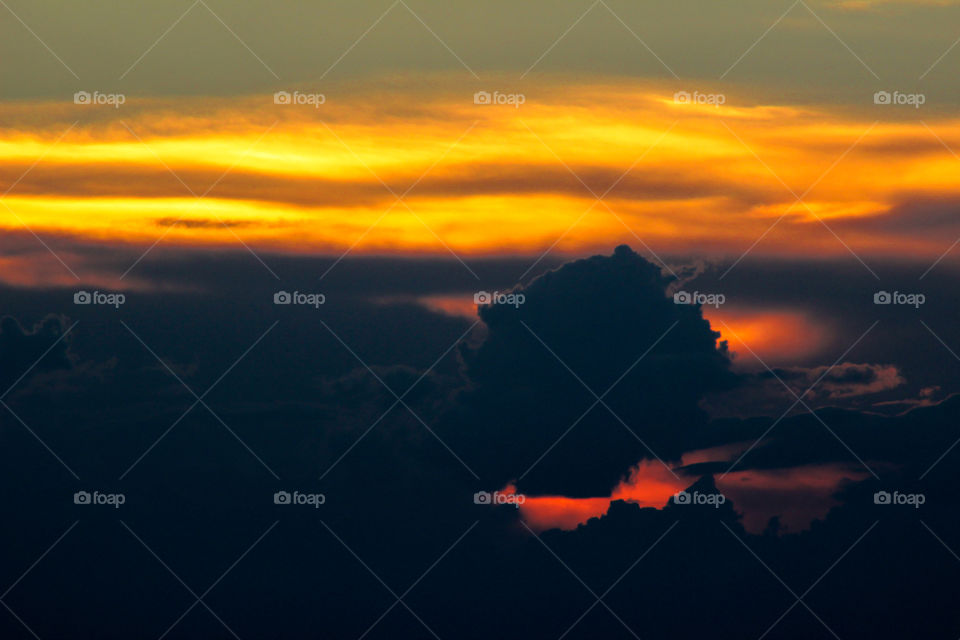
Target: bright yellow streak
{"points": [[483, 179]]}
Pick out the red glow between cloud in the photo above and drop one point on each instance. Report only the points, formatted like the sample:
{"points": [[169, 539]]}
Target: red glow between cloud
{"points": [[798, 496]]}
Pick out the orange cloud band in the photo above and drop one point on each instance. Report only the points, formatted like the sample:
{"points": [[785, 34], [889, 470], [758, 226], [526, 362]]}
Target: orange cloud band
{"points": [[482, 179]]}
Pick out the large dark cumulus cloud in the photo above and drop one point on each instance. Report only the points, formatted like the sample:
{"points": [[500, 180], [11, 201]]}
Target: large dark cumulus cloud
{"points": [[605, 326]]}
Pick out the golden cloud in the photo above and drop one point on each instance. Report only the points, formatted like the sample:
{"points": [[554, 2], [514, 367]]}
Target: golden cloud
{"points": [[478, 178]]}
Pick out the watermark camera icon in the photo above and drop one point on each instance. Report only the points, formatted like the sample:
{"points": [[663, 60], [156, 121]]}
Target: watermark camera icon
{"points": [[482, 497], [900, 99], [512, 299], [314, 300], [299, 98], [499, 98], [98, 98], [915, 300], [115, 300], [698, 98], [699, 499], [915, 500], [698, 297], [281, 497], [98, 498]]}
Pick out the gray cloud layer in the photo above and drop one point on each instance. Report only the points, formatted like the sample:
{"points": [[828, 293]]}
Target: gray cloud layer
{"points": [[166, 48]]}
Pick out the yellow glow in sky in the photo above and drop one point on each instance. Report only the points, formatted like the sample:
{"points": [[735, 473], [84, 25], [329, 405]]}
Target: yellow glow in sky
{"points": [[482, 179]]}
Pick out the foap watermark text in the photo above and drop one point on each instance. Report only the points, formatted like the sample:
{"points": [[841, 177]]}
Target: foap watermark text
{"points": [[309, 299], [901, 499], [487, 98], [709, 99], [498, 497], [696, 498], [896, 98], [97, 498], [709, 299], [297, 498], [898, 298], [99, 298], [510, 299], [114, 100], [299, 98]]}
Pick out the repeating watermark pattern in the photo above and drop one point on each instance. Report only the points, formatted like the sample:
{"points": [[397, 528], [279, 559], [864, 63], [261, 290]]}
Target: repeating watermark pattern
{"points": [[896, 98], [497, 498], [709, 299], [696, 498], [299, 98], [510, 299], [99, 499], [708, 99], [114, 100], [901, 499], [99, 298], [308, 299], [909, 299], [299, 499], [497, 98]]}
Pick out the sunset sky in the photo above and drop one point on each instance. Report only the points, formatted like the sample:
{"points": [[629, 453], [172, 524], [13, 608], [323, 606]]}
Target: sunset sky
{"points": [[541, 319], [798, 160]]}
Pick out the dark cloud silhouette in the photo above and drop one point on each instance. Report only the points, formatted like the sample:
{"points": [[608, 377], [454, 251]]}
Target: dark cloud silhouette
{"points": [[301, 404], [770, 392], [603, 323], [25, 352]]}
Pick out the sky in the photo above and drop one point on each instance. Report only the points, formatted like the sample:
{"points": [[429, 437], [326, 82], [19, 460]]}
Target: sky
{"points": [[467, 320], [789, 132]]}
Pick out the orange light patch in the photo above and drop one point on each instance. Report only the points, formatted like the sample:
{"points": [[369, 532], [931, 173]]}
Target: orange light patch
{"points": [[777, 337], [798, 496], [461, 306], [650, 484]]}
